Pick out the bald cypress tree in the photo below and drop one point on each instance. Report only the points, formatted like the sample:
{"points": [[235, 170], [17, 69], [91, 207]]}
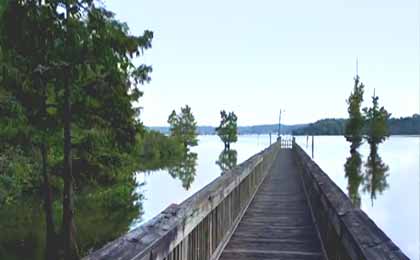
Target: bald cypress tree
{"points": [[355, 124], [228, 128], [183, 127], [66, 66], [377, 122]]}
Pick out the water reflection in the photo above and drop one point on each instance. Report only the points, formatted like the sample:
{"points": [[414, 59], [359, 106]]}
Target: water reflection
{"points": [[185, 169], [355, 177], [375, 174], [372, 181], [101, 215], [228, 159]]}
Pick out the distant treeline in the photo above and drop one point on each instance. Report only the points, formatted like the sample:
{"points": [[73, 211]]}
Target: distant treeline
{"points": [[331, 126], [397, 126], [242, 130]]}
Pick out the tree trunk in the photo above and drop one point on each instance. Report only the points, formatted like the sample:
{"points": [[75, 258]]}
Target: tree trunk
{"points": [[51, 249], [69, 238]]}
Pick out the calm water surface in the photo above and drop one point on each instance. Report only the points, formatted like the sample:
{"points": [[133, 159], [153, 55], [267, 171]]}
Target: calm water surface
{"points": [[395, 208], [160, 189]]}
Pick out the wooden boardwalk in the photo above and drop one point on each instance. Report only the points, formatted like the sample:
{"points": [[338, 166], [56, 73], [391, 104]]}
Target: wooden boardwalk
{"points": [[278, 223]]}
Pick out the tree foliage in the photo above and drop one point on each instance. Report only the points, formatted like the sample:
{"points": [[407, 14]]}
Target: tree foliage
{"points": [[355, 123], [409, 125], [228, 128], [328, 126], [159, 151], [67, 66], [183, 127], [377, 122]]}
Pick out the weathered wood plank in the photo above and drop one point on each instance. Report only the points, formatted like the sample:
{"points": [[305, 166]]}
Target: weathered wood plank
{"points": [[278, 223], [184, 231]]}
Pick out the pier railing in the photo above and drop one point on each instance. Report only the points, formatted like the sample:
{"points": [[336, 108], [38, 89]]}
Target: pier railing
{"points": [[198, 228], [346, 231]]}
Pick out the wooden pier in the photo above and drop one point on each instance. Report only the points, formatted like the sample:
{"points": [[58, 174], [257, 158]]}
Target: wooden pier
{"points": [[276, 205], [278, 224]]}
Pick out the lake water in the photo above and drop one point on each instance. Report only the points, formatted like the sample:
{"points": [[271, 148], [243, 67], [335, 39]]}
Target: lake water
{"points": [[395, 208], [160, 189]]}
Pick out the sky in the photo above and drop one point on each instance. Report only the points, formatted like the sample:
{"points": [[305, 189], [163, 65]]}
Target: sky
{"points": [[257, 57]]}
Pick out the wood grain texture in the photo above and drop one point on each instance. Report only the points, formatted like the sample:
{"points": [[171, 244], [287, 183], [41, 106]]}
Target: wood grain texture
{"points": [[278, 224]]}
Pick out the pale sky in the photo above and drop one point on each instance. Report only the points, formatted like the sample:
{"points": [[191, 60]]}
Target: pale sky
{"points": [[255, 57]]}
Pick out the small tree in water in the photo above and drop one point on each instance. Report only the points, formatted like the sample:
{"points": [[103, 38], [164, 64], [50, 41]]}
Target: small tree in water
{"points": [[377, 132], [227, 130], [184, 127], [354, 126], [377, 123]]}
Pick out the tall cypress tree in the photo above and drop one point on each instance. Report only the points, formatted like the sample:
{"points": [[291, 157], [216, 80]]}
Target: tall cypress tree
{"points": [[354, 126], [377, 123], [68, 64], [228, 128], [184, 127]]}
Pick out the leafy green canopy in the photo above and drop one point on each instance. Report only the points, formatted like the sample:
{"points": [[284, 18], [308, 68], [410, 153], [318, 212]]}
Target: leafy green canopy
{"points": [[40, 49], [227, 130], [355, 123], [183, 127], [159, 151], [377, 126]]}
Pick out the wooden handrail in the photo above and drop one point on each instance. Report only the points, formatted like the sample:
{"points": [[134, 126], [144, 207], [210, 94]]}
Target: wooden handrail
{"points": [[199, 227]]}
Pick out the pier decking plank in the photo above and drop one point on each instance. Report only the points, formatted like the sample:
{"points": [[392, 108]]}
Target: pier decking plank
{"points": [[278, 223]]}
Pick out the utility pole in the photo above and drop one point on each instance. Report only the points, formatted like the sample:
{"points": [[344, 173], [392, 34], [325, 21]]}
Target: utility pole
{"points": [[357, 66], [279, 126], [279, 129]]}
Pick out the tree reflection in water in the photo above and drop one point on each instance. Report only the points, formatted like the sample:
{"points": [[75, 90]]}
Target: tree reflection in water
{"points": [[355, 178], [102, 214], [228, 159], [375, 174], [372, 181], [185, 169]]}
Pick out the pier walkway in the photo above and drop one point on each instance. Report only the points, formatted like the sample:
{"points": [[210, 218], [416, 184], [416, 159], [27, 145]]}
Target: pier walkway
{"points": [[278, 223], [277, 205]]}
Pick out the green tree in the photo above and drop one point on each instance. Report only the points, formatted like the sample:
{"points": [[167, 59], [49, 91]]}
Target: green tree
{"points": [[67, 67], [159, 151], [227, 130], [377, 132], [355, 123], [377, 125], [26, 46], [183, 127]]}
